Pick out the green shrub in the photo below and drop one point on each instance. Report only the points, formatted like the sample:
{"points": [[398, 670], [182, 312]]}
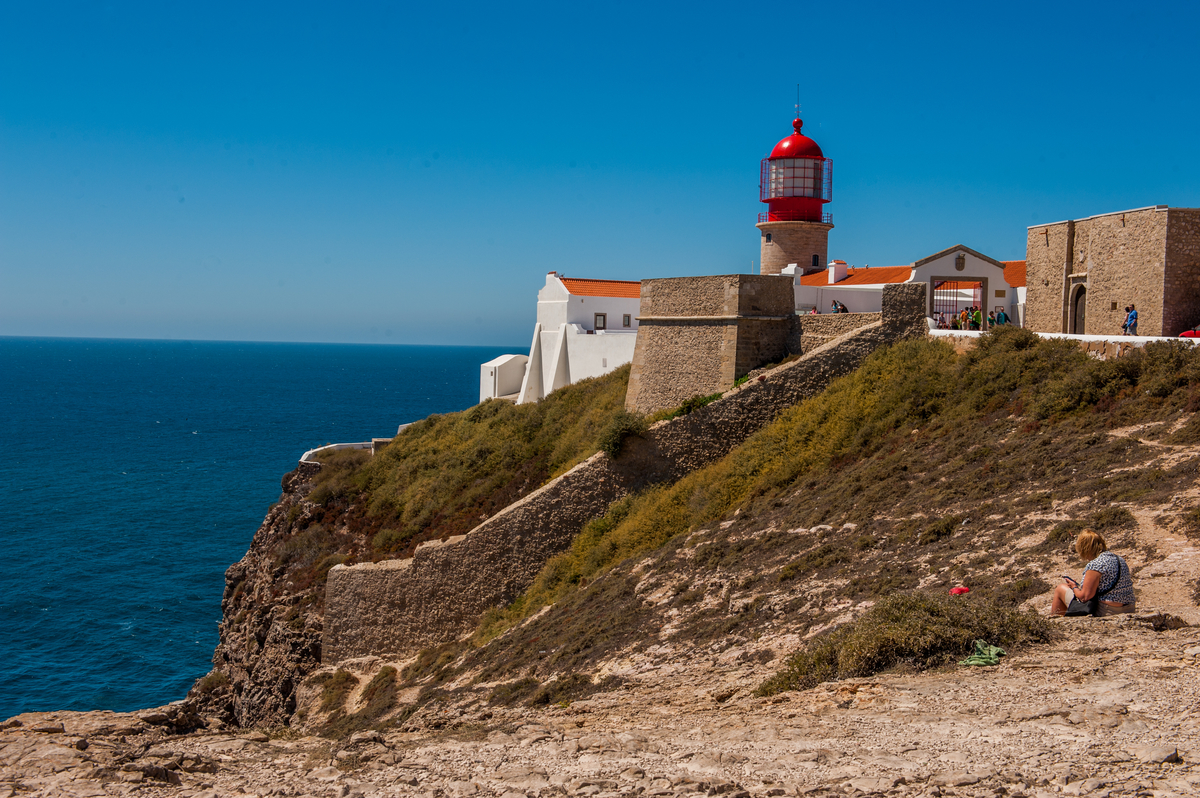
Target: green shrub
{"points": [[1107, 520], [305, 548], [514, 692], [942, 528], [826, 555], [211, 682], [445, 474], [622, 425], [335, 689], [378, 699], [434, 662], [388, 540], [915, 629], [688, 406], [572, 688]]}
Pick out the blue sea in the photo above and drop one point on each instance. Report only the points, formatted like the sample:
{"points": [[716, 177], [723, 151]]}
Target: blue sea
{"points": [[133, 473]]}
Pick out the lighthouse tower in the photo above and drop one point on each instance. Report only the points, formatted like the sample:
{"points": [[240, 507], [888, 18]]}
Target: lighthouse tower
{"points": [[796, 181]]}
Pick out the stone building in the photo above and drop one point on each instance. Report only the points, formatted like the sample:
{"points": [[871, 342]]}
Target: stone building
{"points": [[699, 334], [1081, 273]]}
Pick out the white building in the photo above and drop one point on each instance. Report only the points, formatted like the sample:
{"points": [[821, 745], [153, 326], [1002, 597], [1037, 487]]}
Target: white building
{"points": [[585, 328], [957, 277]]}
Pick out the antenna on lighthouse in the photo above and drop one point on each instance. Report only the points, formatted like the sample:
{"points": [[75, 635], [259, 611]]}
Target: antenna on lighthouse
{"points": [[797, 100]]}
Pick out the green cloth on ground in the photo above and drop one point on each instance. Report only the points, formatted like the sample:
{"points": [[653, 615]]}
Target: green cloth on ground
{"points": [[984, 654]]}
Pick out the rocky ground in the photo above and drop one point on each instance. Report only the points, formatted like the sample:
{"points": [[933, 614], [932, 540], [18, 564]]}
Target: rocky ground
{"points": [[1112, 708]]}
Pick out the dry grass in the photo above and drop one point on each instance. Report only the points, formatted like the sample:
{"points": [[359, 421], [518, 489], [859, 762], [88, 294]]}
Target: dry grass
{"points": [[913, 629]]}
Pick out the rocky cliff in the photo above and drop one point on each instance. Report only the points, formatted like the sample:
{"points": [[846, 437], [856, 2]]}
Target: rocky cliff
{"points": [[270, 630]]}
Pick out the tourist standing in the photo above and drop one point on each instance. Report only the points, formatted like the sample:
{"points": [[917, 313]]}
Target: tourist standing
{"points": [[1001, 317], [1131, 320]]}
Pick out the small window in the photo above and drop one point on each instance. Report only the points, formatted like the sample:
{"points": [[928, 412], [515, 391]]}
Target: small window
{"points": [[627, 320], [1001, 293], [1114, 306], [768, 238], [601, 321], [816, 262]]}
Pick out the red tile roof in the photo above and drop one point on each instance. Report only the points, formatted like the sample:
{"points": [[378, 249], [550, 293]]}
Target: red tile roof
{"points": [[876, 276], [1014, 273], [628, 289]]}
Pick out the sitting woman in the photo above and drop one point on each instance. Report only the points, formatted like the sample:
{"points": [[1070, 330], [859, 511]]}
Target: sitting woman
{"points": [[1106, 576]]}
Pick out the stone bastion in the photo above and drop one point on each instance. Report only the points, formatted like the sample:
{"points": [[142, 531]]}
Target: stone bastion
{"points": [[397, 607]]}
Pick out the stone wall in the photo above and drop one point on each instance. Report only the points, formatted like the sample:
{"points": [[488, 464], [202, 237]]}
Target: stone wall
{"points": [[1047, 256], [1181, 310], [816, 330], [793, 242], [1149, 257], [1123, 256], [698, 335], [399, 607]]}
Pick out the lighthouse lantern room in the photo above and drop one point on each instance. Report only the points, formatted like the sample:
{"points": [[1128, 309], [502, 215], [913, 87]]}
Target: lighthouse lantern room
{"points": [[796, 180]]}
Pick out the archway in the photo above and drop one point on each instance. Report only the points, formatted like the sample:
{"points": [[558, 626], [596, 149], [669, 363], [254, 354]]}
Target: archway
{"points": [[1079, 311]]}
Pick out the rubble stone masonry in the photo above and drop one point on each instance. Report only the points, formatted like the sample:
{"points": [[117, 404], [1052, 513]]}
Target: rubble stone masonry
{"points": [[793, 242], [697, 335], [401, 606], [1181, 288], [1149, 257], [816, 330]]}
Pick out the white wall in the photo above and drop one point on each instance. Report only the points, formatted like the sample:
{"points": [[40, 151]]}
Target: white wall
{"points": [[581, 310], [566, 348], [598, 354], [553, 301], [502, 376], [556, 307], [974, 268], [857, 298]]}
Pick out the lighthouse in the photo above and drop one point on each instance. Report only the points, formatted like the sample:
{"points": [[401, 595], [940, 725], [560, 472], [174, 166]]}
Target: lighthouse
{"points": [[796, 180]]}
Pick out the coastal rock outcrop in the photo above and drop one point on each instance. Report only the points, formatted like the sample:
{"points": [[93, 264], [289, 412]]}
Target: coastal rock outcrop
{"points": [[270, 631]]}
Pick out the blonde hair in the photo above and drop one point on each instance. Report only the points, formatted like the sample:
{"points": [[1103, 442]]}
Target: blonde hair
{"points": [[1090, 544]]}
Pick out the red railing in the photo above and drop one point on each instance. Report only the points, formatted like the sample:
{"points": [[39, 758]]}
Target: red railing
{"points": [[786, 216]]}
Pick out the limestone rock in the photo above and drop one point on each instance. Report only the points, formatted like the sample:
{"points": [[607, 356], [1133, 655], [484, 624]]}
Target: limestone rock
{"points": [[1155, 754]]}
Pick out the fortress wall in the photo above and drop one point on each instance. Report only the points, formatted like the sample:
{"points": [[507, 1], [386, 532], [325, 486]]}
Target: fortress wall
{"points": [[401, 606], [819, 329], [1047, 256], [698, 335], [1124, 257], [1181, 288]]}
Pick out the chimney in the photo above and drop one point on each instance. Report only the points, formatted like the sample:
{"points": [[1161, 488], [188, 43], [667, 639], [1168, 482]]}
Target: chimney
{"points": [[837, 271]]}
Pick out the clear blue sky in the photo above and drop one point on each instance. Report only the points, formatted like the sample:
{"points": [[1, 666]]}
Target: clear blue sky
{"points": [[408, 173]]}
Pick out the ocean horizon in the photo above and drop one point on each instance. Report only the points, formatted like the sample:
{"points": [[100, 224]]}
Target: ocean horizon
{"points": [[135, 471]]}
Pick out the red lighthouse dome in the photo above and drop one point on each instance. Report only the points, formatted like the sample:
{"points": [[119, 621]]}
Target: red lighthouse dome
{"points": [[796, 180], [796, 145]]}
